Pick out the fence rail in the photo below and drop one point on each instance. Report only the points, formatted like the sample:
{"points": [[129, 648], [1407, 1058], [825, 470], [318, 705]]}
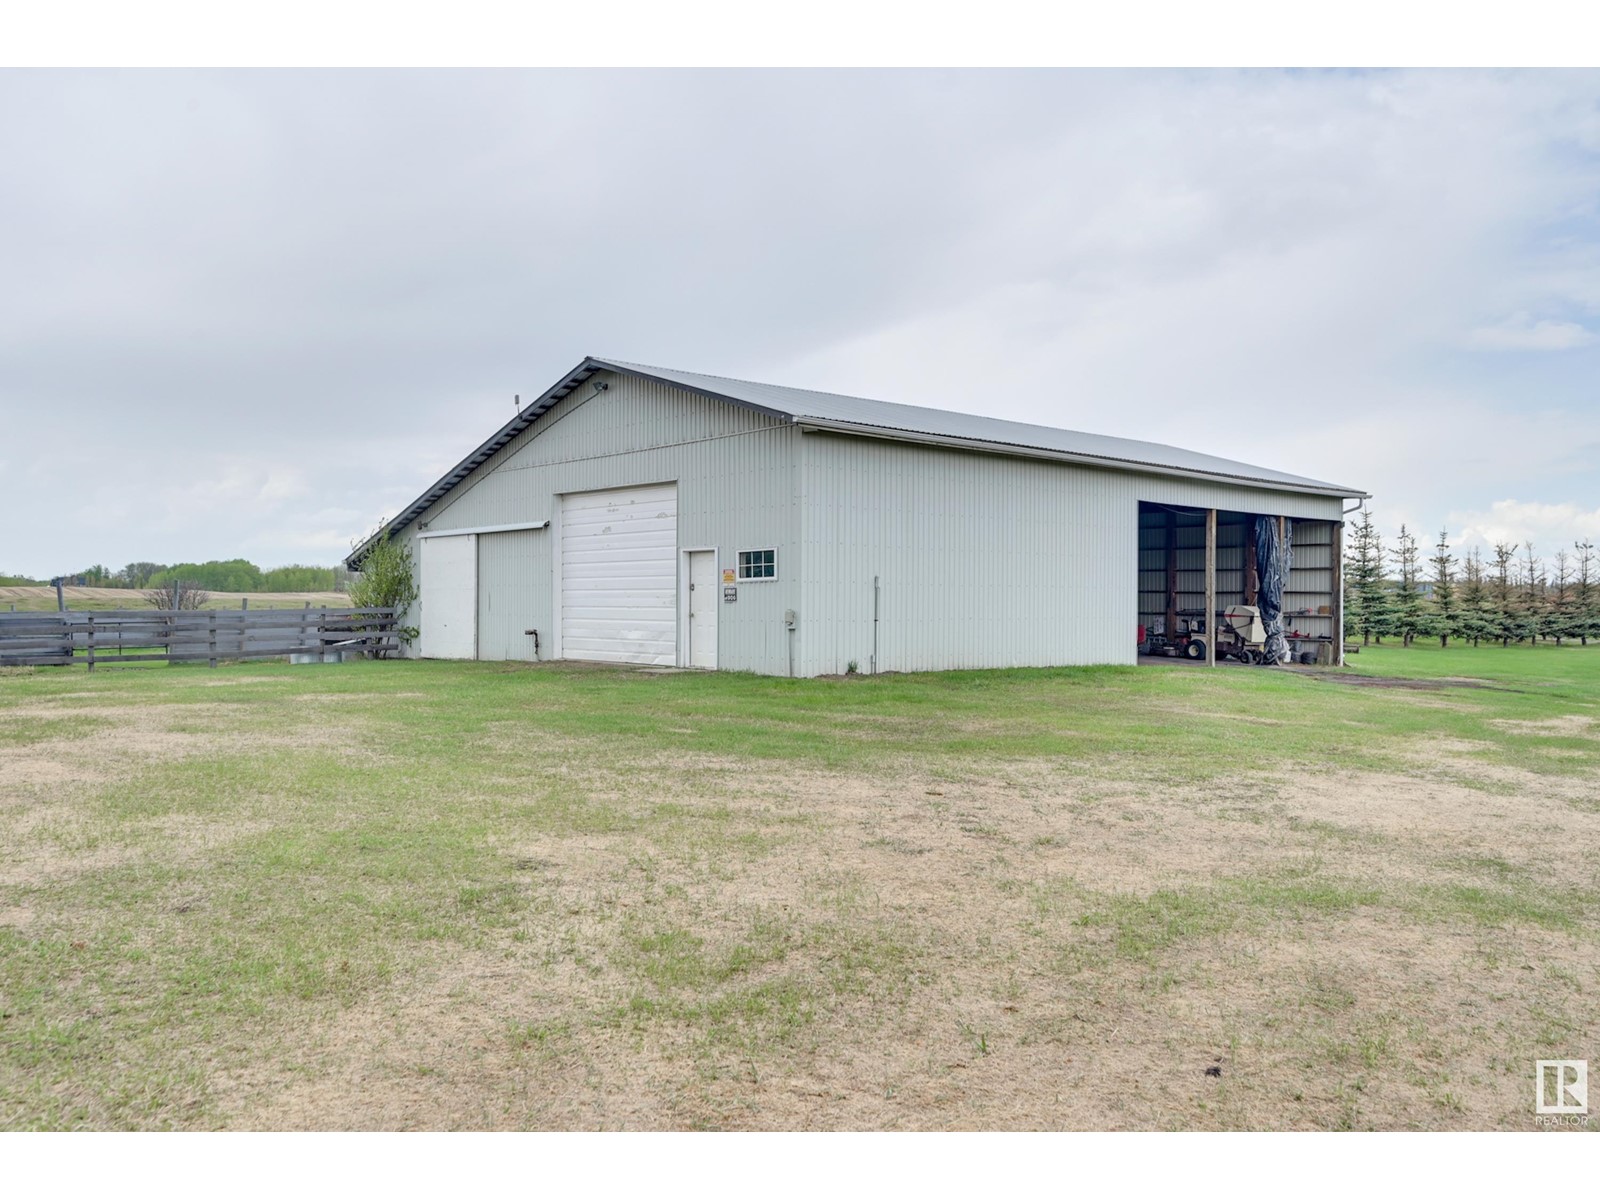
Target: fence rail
{"points": [[59, 639]]}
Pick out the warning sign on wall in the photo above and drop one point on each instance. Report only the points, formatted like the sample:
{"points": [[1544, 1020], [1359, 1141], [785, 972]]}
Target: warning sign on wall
{"points": [[727, 575]]}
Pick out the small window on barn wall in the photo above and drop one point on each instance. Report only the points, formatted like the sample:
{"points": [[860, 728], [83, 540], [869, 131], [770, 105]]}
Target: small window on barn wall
{"points": [[757, 564]]}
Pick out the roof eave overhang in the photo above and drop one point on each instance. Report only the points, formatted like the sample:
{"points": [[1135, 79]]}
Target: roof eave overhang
{"points": [[1329, 491]]}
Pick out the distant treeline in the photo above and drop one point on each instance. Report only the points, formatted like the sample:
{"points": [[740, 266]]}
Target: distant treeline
{"points": [[234, 575]]}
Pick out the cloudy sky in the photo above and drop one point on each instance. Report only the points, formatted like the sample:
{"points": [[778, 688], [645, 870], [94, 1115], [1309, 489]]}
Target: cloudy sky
{"points": [[252, 314]]}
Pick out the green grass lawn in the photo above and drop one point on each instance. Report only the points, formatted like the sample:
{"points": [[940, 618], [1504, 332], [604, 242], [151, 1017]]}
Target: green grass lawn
{"points": [[475, 895], [1545, 665]]}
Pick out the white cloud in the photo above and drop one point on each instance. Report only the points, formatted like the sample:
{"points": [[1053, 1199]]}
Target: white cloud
{"points": [[1550, 527], [329, 545], [1522, 332], [250, 484]]}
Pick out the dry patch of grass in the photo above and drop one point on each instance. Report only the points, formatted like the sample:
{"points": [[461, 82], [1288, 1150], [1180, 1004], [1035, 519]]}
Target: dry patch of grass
{"points": [[411, 896], [1567, 725]]}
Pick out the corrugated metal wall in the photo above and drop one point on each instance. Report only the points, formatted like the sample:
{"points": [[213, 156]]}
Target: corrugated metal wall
{"points": [[1311, 582], [735, 470], [985, 560]]}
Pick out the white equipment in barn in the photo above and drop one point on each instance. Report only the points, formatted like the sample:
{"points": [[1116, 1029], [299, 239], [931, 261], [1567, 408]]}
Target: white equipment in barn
{"points": [[1245, 621], [1242, 635]]}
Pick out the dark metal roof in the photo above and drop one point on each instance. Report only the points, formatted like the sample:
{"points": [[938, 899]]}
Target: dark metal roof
{"points": [[856, 414]]}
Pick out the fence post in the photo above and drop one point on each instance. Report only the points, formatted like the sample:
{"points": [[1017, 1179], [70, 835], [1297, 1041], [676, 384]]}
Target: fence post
{"points": [[213, 629], [91, 640]]}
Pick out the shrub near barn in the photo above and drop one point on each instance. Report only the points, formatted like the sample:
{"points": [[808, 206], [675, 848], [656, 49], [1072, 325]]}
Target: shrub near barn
{"points": [[386, 581]]}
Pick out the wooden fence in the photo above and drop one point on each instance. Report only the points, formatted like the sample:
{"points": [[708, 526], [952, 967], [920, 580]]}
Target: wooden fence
{"points": [[60, 639]]}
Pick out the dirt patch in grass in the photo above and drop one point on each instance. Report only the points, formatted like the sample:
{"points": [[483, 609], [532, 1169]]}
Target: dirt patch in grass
{"points": [[40, 769], [1569, 725], [471, 1043], [47, 786], [1393, 682], [64, 841], [115, 739]]}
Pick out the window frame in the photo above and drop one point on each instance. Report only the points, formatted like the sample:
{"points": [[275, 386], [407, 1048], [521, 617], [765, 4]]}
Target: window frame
{"points": [[739, 565]]}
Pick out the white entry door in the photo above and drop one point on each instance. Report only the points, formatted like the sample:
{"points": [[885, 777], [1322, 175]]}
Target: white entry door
{"points": [[703, 601], [619, 575], [450, 597]]}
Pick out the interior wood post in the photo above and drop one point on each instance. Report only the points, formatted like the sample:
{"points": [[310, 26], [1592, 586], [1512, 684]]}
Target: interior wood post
{"points": [[1172, 574], [1211, 587]]}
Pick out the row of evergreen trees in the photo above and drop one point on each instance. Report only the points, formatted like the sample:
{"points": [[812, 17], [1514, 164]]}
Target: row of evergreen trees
{"points": [[1515, 596]]}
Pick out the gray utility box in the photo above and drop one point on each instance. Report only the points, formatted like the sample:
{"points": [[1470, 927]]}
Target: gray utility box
{"points": [[327, 656]]}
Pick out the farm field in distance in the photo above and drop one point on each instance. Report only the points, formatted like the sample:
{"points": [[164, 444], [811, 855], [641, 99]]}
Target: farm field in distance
{"points": [[477, 895], [98, 599]]}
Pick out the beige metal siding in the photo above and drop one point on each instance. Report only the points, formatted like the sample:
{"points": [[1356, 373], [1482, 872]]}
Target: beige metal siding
{"points": [[984, 560]]}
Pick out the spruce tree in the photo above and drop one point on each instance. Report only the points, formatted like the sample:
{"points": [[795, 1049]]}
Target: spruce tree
{"points": [[1446, 614], [1531, 598], [1586, 595], [1559, 597], [1502, 588], [1477, 605], [1367, 600], [1408, 616]]}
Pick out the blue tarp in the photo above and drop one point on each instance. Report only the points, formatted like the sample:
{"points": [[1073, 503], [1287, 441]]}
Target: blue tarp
{"points": [[1272, 566]]}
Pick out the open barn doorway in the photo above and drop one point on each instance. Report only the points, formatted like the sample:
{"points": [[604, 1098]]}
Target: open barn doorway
{"points": [[1272, 582]]}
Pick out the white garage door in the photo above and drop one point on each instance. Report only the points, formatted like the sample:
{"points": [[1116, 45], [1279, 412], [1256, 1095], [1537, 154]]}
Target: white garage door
{"points": [[619, 575], [449, 597]]}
